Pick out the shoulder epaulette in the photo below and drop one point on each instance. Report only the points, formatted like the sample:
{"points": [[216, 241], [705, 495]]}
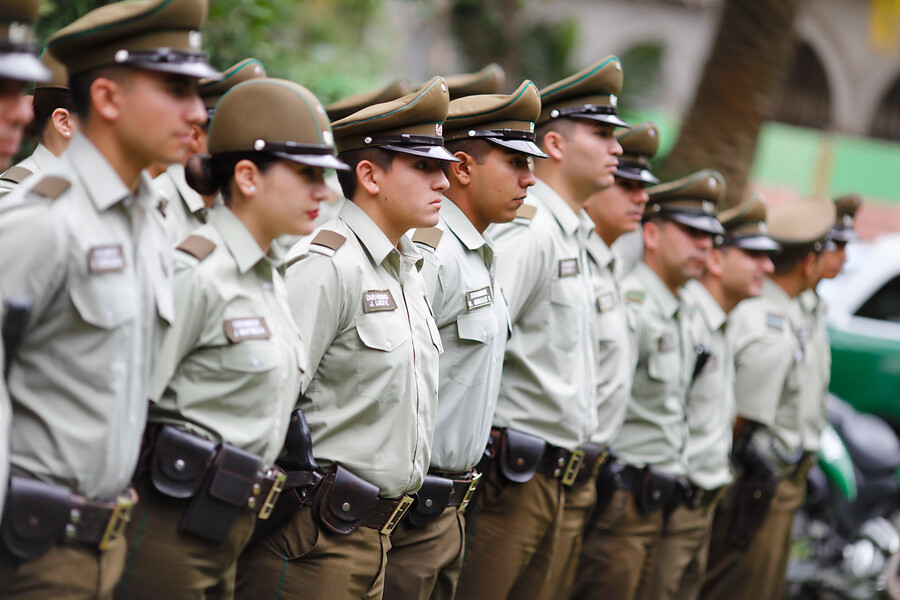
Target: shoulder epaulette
{"points": [[526, 211], [16, 174], [51, 187], [327, 240], [775, 321], [197, 246], [634, 296], [430, 236]]}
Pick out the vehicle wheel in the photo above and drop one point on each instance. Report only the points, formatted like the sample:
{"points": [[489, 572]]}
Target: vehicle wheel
{"points": [[893, 577]]}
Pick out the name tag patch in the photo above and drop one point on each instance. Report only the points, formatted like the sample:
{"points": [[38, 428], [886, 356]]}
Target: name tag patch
{"points": [[569, 267], [774, 322], [247, 328], [666, 342], [478, 298], [106, 259], [378, 300], [606, 301]]}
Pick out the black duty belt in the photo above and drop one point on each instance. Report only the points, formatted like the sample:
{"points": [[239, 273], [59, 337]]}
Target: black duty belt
{"points": [[703, 498], [464, 485], [561, 464]]}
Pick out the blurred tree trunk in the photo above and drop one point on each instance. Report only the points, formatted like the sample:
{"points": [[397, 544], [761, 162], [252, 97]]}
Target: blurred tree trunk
{"points": [[739, 89]]}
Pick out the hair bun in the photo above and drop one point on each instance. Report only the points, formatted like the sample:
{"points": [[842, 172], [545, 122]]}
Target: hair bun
{"points": [[199, 175]]}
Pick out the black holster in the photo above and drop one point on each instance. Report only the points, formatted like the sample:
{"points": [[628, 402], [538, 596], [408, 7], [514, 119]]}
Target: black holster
{"points": [[430, 501], [36, 514], [520, 455], [341, 500], [752, 501]]}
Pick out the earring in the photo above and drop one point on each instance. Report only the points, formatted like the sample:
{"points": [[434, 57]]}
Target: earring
{"points": [[252, 189]]}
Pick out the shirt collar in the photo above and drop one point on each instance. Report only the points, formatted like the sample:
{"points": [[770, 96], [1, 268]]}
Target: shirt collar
{"points": [[192, 199], [239, 241], [375, 241], [656, 290], [568, 219], [707, 306], [43, 158], [600, 252]]}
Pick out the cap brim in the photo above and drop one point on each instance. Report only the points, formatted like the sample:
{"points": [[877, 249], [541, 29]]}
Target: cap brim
{"points": [[435, 152], [753, 242], [843, 235], [642, 175], [705, 223], [23, 66], [523, 146], [609, 119], [326, 161], [200, 70]]}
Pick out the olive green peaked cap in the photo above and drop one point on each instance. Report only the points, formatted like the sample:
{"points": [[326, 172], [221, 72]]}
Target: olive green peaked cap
{"points": [[17, 59], [691, 200], [639, 145], [288, 121], [59, 77], [159, 35], [507, 121], [588, 94], [351, 104], [745, 225], [802, 222], [212, 90], [412, 124], [488, 80], [845, 208]]}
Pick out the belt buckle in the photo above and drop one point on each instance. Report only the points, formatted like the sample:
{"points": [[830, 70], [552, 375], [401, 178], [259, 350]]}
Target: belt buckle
{"points": [[601, 460], [398, 513], [572, 467], [274, 492], [716, 498], [468, 496], [121, 514]]}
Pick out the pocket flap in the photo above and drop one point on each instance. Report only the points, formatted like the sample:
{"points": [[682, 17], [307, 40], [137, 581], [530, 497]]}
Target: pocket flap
{"points": [[36, 514], [480, 326], [233, 476], [433, 497], [520, 455], [180, 462], [380, 331], [250, 356], [102, 302], [350, 497]]}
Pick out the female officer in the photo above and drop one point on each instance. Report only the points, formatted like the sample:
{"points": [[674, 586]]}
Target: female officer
{"points": [[231, 365]]}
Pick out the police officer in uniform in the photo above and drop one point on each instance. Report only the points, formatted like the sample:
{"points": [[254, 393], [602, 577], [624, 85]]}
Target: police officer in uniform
{"points": [[614, 211], [492, 136], [229, 377], [371, 389], [53, 125], [751, 534], [185, 209], [735, 270], [102, 295], [619, 557], [546, 408]]}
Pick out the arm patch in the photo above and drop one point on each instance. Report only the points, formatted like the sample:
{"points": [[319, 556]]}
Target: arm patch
{"points": [[326, 238], [430, 236], [51, 187], [197, 246], [526, 211], [16, 174]]}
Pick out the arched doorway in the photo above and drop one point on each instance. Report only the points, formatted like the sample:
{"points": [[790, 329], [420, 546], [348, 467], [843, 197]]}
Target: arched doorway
{"points": [[806, 100], [886, 122]]}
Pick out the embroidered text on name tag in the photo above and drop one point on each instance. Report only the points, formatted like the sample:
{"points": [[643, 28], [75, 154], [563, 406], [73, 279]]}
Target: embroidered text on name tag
{"points": [[606, 301], [774, 322], [247, 328], [378, 300], [666, 342], [568, 267], [106, 259], [478, 298]]}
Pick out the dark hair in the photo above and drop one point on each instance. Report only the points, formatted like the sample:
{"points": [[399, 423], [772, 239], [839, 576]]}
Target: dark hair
{"points": [[477, 148], [45, 101], [563, 127], [210, 174], [80, 86], [787, 259], [378, 156]]}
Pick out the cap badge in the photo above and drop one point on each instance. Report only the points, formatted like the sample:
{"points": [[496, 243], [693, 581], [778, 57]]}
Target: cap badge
{"points": [[554, 113], [531, 127], [651, 132], [259, 145], [848, 221], [195, 39], [763, 228], [713, 184], [443, 87], [613, 100], [367, 140], [645, 174], [439, 129], [327, 137], [471, 133], [708, 206], [618, 66], [121, 55], [18, 32]]}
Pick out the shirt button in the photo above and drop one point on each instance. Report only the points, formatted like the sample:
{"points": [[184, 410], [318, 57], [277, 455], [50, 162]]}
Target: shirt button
{"points": [[284, 374], [388, 344], [484, 332], [110, 313], [267, 285], [255, 361]]}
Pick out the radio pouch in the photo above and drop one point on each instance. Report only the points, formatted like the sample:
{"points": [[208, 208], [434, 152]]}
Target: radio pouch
{"points": [[520, 455], [343, 500], [180, 462], [430, 501], [35, 517]]}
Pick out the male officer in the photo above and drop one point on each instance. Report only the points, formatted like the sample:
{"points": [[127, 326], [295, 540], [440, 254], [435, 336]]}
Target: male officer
{"points": [[735, 269], [18, 65], [492, 136], [614, 211], [546, 408], [52, 127], [678, 225], [359, 301], [101, 292], [750, 537], [185, 209]]}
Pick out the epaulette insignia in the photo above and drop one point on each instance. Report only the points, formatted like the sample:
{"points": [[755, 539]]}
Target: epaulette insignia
{"points": [[51, 187], [15, 174], [328, 239], [634, 296], [430, 236], [526, 211], [197, 246], [774, 322]]}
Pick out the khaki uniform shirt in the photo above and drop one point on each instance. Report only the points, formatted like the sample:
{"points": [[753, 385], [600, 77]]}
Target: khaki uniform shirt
{"points": [[39, 161], [629, 249], [102, 293], [184, 208], [373, 352], [655, 429], [616, 354], [768, 378], [548, 385], [710, 404], [817, 368], [231, 364], [472, 318], [5, 420]]}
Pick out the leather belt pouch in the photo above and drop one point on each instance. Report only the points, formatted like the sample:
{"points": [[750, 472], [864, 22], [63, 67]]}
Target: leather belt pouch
{"points": [[180, 462], [520, 455], [652, 489], [752, 501], [343, 500], [35, 517], [211, 513], [430, 501]]}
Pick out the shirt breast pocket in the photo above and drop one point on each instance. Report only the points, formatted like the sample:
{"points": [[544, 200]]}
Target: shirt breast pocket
{"points": [[471, 355], [664, 366], [104, 301], [564, 318], [382, 370]]}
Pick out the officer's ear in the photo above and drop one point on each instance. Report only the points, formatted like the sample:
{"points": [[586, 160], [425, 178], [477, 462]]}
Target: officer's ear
{"points": [[368, 176], [651, 232], [462, 170], [715, 262], [247, 177], [554, 145], [107, 97]]}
